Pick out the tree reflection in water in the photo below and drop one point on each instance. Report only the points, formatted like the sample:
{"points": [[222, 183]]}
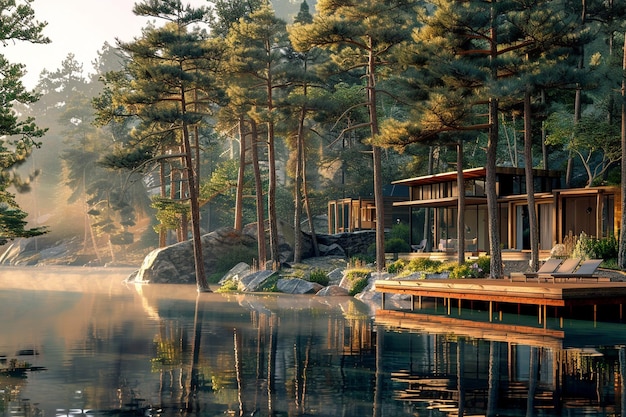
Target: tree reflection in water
{"points": [[169, 351]]}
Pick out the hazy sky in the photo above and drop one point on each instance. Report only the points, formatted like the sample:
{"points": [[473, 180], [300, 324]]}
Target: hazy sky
{"points": [[80, 27]]}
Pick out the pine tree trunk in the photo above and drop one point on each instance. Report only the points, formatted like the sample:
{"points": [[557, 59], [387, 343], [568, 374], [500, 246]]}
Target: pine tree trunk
{"points": [[490, 165], [260, 212], [307, 205], [621, 258], [379, 200], [460, 219], [271, 166], [297, 244], [192, 181], [240, 176], [530, 181]]}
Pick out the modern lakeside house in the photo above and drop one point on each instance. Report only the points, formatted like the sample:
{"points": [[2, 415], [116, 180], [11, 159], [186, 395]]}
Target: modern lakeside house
{"points": [[431, 207]]}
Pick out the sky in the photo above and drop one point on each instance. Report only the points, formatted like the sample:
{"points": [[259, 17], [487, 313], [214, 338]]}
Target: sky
{"points": [[80, 27]]}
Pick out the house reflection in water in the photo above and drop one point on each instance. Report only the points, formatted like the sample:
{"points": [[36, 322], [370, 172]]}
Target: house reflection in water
{"points": [[462, 370]]}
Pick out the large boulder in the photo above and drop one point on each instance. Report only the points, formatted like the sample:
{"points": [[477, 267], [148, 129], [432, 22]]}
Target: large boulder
{"points": [[333, 291], [257, 281], [175, 263], [297, 286]]}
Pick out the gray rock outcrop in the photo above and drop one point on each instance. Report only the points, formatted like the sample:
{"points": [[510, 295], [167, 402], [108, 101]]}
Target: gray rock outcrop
{"points": [[297, 286], [332, 291], [257, 281], [175, 263]]}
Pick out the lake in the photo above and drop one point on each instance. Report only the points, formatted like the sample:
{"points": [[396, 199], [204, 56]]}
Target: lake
{"points": [[83, 343]]}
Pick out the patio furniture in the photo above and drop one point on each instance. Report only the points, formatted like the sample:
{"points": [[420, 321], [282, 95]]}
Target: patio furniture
{"points": [[587, 269], [420, 247], [548, 267]]}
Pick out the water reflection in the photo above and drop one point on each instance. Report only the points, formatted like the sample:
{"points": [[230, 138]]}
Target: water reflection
{"points": [[107, 348]]}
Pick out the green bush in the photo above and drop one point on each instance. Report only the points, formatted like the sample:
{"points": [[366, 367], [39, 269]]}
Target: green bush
{"points": [[396, 245], [400, 231], [472, 269], [606, 248], [319, 276], [358, 286], [358, 279], [424, 265], [228, 286], [591, 248], [363, 258], [397, 266]]}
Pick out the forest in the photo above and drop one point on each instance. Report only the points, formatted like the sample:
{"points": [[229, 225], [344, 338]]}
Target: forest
{"points": [[231, 115]]}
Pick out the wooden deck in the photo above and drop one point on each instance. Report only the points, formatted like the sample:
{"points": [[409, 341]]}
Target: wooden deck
{"points": [[494, 292]]}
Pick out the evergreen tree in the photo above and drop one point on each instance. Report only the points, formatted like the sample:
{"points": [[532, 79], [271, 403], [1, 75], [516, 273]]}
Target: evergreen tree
{"points": [[362, 36], [169, 84], [256, 47], [19, 135]]}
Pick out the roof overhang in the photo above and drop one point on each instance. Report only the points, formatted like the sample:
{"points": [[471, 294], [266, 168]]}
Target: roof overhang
{"points": [[472, 173], [442, 202]]}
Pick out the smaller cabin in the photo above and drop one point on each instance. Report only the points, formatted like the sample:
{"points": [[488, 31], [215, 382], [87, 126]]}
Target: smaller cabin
{"points": [[355, 214]]}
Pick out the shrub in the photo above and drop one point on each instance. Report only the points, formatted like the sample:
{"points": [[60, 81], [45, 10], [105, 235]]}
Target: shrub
{"points": [[400, 231], [319, 276], [395, 245], [396, 267], [358, 286], [358, 279], [228, 286], [606, 248], [471, 269], [424, 265], [362, 259], [591, 248]]}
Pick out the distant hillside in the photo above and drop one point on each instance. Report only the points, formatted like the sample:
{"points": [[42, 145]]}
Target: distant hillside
{"points": [[288, 9]]}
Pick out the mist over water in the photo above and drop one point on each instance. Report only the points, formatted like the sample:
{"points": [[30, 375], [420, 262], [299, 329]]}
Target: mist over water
{"points": [[106, 347]]}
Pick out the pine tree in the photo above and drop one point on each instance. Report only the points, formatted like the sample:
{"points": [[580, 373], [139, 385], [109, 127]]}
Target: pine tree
{"points": [[256, 48], [169, 80], [362, 37], [19, 136]]}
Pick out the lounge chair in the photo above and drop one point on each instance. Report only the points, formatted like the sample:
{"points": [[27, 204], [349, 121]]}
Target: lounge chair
{"points": [[568, 266], [548, 267], [587, 269], [420, 247]]}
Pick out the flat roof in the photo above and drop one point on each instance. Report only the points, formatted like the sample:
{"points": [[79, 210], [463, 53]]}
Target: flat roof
{"points": [[473, 173]]}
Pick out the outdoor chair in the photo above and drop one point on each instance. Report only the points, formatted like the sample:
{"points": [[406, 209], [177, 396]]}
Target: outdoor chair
{"points": [[568, 266], [587, 269], [548, 267], [420, 247]]}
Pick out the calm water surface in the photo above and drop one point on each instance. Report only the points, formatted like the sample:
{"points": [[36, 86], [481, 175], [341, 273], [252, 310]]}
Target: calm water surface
{"points": [[99, 347]]}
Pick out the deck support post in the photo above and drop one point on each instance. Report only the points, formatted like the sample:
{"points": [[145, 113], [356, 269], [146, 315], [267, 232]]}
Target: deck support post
{"points": [[448, 304], [490, 311], [382, 301], [459, 307], [419, 302], [412, 302], [539, 313]]}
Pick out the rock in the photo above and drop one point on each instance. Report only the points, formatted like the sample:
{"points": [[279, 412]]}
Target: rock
{"points": [[236, 272], [175, 263], [332, 291], [297, 286], [257, 281], [332, 250], [335, 276]]}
